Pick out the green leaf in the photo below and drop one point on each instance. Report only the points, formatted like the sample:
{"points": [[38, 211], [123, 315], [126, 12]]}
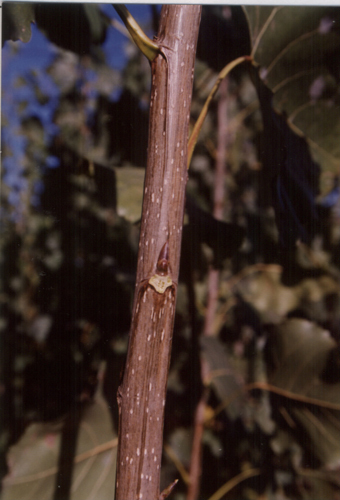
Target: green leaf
{"points": [[301, 349], [297, 50], [226, 381], [265, 292], [73, 27], [301, 352], [16, 21], [130, 181], [97, 22], [33, 461]]}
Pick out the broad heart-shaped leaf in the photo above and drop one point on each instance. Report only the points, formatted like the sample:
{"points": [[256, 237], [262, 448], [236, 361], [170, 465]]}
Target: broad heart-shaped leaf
{"points": [[297, 50], [300, 351], [33, 461], [73, 27], [16, 21]]}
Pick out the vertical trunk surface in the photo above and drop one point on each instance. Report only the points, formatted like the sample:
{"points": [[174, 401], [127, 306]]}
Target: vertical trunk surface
{"points": [[141, 396]]}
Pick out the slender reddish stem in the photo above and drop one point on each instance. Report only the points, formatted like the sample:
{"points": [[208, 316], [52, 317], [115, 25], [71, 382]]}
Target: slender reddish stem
{"points": [[213, 286]]}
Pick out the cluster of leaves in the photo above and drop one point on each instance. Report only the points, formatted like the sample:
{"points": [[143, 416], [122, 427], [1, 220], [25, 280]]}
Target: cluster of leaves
{"points": [[69, 250]]}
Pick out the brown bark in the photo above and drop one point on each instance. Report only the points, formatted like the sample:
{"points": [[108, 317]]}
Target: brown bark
{"points": [[141, 396]]}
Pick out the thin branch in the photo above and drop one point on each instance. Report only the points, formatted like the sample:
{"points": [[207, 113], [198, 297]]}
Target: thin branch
{"points": [[291, 395], [229, 485], [165, 493], [177, 463], [196, 451], [198, 125], [212, 298]]}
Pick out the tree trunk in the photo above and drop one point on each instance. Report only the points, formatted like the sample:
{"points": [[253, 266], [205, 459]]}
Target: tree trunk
{"points": [[141, 396]]}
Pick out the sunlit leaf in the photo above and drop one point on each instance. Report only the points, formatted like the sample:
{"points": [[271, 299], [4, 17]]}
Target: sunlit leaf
{"points": [[265, 292], [130, 181], [267, 295]]}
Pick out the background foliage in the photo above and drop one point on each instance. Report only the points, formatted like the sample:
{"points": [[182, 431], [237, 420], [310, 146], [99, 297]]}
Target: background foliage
{"points": [[74, 133]]}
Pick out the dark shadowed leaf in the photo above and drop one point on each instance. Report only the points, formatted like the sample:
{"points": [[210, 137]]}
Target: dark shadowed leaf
{"points": [[295, 176], [223, 237], [73, 27], [301, 349], [300, 352], [224, 26], [227, 383], [297, 51]]}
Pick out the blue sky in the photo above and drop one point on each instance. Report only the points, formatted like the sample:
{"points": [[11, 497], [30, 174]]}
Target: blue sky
{"points": [[115, 39], [20, 101]]}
